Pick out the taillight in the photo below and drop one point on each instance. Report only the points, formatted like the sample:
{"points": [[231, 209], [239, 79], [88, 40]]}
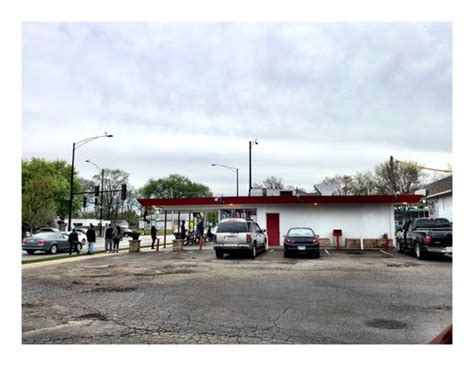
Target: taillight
{"points": [[41, 242], [426, 240], [287, 241], [249, 238], [24, 241], [315, 240]]}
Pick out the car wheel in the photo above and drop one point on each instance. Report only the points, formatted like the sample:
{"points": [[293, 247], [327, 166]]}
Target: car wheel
{"points": [[399, 247], [83, 243], [286, 254], [53, 249], [219, 254], [253, 253], [317, 254], [418, 253], [31, 251]]}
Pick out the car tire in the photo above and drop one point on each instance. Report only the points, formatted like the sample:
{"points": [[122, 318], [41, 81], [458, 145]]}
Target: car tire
{"points": [[253, 253], [219, 254], [317, 254], [31, 251], [418, 252], [399, 247], [53, 249], [286, 254]]}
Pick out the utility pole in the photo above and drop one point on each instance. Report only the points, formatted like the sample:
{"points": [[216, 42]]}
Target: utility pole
{"points": [[250, 163]]}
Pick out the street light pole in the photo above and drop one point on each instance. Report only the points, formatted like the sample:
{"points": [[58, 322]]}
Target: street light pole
{"points": [[77, 145], [250, 163], [101, 193], [235, 170]]}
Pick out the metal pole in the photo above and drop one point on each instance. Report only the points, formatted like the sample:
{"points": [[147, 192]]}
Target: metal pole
{"points": [[250, 167], [166, 218], [71, 188], [101, 201], [237, 182]]}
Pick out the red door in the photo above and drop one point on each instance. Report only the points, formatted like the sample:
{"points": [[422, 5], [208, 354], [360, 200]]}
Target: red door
{"points": [[273, 228]]}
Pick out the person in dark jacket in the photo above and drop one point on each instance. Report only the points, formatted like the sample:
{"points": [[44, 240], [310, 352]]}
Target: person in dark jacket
{"points": [[116, 237], [73, 240], [108, 238], [90, 239], [200, 228], [183, 229], [153, 237]]}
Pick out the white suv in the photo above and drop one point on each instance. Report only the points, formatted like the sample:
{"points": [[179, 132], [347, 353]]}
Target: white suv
{"points": [[239, 235]]}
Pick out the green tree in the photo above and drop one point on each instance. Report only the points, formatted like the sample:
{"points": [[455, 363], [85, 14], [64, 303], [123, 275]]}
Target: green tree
{"points": [[174, 186], [60, 173], [363, 184], [38, 202], [391, 177]]}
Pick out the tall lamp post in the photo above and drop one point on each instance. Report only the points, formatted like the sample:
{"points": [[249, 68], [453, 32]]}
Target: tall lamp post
{"points": [[253, 142], [77, 145], [235, 170], [101, 192]]}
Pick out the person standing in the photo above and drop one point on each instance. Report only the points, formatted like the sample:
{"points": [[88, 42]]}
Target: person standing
{"points": [[116, 237], [200, 229], [73, 240], [183, 229], [108, 238], [90, 239], [153, 237]]}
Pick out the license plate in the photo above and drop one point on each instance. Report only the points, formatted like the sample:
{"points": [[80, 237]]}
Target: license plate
{"points": [[230, 237], [301, 247]]}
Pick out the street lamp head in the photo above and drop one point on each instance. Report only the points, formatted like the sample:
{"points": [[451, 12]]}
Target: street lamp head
{"points": [[88, 161], [213, 164]]}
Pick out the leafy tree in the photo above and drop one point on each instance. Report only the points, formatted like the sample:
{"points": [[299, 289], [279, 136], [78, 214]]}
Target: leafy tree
{"points": [[363, 184], [59, 173], [394, 178], [174, 186], [38, 202]]}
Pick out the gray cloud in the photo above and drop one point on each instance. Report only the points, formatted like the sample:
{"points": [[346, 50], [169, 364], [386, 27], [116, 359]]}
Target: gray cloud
{"points": [[323, 98]]}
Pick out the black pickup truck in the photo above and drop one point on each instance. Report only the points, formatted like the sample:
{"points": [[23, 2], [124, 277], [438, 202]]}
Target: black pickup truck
{"points": [[426, 236]]}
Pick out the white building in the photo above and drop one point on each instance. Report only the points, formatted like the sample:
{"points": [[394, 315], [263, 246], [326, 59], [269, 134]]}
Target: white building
{"points": [[439, 195], [366, 217]]}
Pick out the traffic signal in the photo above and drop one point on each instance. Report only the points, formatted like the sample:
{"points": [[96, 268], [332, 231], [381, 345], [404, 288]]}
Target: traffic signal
{"points": [[124, 192], [97, 191], [84, 201]]}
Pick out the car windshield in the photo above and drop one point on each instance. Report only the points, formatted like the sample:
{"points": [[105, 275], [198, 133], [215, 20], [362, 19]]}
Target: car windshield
{"points": [[300, 232], [45, 235], [436, 223], [232, 227]]}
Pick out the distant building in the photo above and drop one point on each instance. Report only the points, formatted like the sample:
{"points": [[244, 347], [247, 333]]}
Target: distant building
{"points": [[439, 196]]}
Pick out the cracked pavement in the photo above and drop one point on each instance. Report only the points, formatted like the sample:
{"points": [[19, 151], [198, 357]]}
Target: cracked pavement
{"points": [[190, 297]]}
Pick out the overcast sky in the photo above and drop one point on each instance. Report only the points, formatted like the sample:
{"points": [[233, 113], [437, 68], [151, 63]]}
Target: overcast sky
{"points": [[321, 98]]}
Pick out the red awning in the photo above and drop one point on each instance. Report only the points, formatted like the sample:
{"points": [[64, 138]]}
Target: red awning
{"points": [[269, 200]]}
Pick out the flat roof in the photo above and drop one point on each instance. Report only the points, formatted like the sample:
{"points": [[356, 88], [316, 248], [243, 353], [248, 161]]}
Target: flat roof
{"points": [[277, 200]]}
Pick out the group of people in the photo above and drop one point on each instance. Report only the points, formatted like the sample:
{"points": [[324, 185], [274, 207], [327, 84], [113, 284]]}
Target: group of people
{"points": [[113, 236]]}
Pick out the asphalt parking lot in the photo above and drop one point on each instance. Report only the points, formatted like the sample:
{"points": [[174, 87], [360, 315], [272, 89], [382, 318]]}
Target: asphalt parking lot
{"points": [[191, 297]]}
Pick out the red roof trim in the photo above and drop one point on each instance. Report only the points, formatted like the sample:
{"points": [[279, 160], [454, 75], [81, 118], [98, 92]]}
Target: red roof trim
{"points": [[273, 200]]}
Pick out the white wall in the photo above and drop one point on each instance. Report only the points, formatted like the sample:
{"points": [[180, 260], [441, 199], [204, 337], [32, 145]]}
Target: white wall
{"points": [[442, 207], [355, 221]]}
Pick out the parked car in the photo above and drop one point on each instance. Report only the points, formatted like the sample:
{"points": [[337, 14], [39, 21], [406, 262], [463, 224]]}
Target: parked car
{"points": [[300, 240], [51, 242], [426, 236], [48, 230], [239, 235], [126, 232]]}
